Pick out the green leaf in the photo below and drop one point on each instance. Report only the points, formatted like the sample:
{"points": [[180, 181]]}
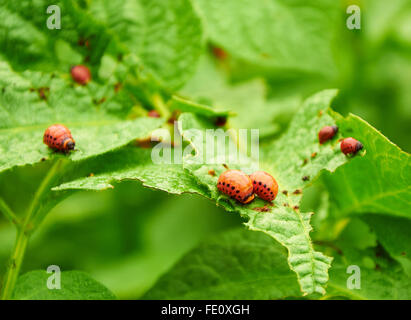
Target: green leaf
{"points": [[233, 265], [246, 100], [357, 234], [378, 182], [162, 238], [75, 285], [285, 160], [380, 277], [25, 115], [240, 265], [24, 25], [394, 234], [181, 104], [135, 164], [275, 33], [165, 35], [297, 157]]}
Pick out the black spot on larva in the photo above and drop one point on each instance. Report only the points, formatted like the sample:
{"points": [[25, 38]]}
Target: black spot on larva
{"points": [[232, 188], [254, 182], [238, 191], [265, 186], [223, 183], [228, 185], [268, 189], [259, 183]]}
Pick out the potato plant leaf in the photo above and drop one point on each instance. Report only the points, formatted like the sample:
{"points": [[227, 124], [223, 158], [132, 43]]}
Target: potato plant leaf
{"points": [[380, 277], [234, 265], [132, 163], [25, 25], [251, 266], [184, 105], [31, 101], [377, 183], [165, 37], [287, 160], [274, 34], [394, 235], [75, 285], [247, 100]]}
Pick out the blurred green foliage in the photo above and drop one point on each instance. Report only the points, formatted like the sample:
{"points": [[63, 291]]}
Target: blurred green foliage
{"points": [[124, 237], [128, 237]]}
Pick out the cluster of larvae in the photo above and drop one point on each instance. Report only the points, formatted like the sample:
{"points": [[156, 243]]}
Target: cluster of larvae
{"points": [[243, 187]]}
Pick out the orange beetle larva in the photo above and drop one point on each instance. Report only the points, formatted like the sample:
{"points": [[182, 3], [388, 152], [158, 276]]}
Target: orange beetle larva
{"points": [[237, 185], [265, 185], [80, 74], [327, 133], [59, 137], [350, 146]]}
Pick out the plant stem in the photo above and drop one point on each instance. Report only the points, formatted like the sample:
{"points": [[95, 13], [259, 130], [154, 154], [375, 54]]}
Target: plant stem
{"points": [[159, 105], [43, 188], [8, 212], [24, 231], [15, 264]]}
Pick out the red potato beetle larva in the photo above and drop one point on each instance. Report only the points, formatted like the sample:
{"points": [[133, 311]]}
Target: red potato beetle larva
{"points": [[153, 114], [59, 137], [327, 133], [237, 185], [81, 74], [350, 146], [219, 53], [264, 185]]}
